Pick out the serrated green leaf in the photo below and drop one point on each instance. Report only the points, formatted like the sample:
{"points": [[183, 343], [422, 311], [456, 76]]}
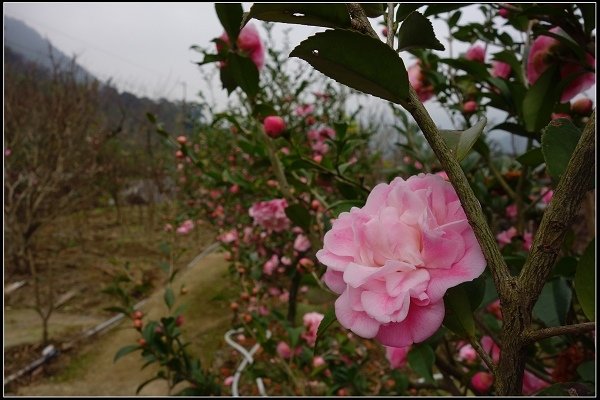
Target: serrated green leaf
{"points": [[169, 297], [299, 215], [559, 140], [328, 15], [421, 359], [326, 322], [417, 32], [540, 99], [230, 16], [244, 72], [585, 281], [405, 9], [358, 61], [532, 158], [460, 142], [123, 351]]}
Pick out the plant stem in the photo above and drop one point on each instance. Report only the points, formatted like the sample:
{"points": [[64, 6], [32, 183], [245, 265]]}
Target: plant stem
{"points": [[482, 354], [534, 336]]}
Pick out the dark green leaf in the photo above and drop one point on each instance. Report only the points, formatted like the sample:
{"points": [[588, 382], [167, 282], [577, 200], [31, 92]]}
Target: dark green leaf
{"points": [[358, 61], [476, 69], [585, 281], [532, 158], [420, 359], [417, 31], [540, 100], [119, 310], [453, 20], [553, 303], [326, 322], [245, 73], [405, 9], [227, 80], [459, 316], [373, 10], [565, 267], [210, 58], [299, 215], [512, 128], [328, 15], [344, 205], [559, 140], [460, 142], [587, 371], [126, 350], [169, 297], [151, 117], [230, 15], [435, 9]]}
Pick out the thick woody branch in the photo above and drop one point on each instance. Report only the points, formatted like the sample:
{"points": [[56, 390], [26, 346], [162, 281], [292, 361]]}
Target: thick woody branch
{"points": [[534, 336], [576, 181], [470, 203], [359, 20]]}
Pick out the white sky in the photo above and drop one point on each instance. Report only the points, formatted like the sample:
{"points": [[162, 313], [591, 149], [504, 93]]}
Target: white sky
{"points": [[145, 47]]}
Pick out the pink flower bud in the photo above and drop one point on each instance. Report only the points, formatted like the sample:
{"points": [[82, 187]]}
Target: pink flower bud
{"points": [[501, 69], [318, 361], [469, 107], [180, 320], [274, 126], [181, 139], [318, 158], [179, 154], [476, 53], [384, 31], [284, 350], [503, 12], [228, 381], [482, 381]]}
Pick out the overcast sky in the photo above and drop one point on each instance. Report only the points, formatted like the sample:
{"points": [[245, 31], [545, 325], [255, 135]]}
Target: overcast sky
{"points": [[145, 47]]}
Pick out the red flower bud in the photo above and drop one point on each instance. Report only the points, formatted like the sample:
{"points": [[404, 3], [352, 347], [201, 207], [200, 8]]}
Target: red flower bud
{"points": [[274, 126]]}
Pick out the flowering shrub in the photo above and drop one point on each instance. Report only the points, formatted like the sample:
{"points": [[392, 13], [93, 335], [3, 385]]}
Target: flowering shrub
{"points": [[428, 264]]}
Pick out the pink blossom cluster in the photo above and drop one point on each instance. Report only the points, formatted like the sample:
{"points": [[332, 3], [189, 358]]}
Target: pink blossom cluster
{"points": [[392, 260], [506, 237], [318, 138], [270, 214], [185, 227]]}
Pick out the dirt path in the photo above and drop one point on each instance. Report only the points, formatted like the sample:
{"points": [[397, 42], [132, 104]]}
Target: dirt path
{"points": [[92, 371]]}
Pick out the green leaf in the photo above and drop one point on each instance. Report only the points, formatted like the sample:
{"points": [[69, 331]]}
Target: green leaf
{"points": [[477, 70], [453, 20], [328, 15], [460, 302], [358, 61], [554, 302], [119, 310], [227, 80], [143, 384], [126, 350], [417, 31], [460, 142], [513, 128], [587, 371], [299, 215], [294, 334], [244, 72], [326, 322], [565, 267], [567, 389], [230, 15], [435, 9], [373, 10], [540, 100], [532, 158], [585, 281], [344, 205], [420, 359], [405, 9], [559, 140], [169, 297]]}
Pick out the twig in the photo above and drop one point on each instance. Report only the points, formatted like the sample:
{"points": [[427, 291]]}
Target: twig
{"points": [[390, 25], [359, 21], [487, 359], [534, 336]]}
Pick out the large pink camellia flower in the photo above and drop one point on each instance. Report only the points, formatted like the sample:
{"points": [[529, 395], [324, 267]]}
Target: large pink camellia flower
{"points": [[392, 260], [248, 42], [543, 53], [270, 214]]}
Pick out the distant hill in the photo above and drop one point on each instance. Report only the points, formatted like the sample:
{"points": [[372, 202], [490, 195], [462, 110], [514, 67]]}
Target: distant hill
{"points": [[28, 43]]}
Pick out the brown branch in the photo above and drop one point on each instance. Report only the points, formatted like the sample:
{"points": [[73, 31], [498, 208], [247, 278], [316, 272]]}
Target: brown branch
{"points": [[487, 359], [576, 181], [359, 20], [534, 336], [470, 203]]}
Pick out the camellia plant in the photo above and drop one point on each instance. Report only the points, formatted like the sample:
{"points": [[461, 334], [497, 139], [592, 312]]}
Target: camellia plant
{"points": [[451, 267]]}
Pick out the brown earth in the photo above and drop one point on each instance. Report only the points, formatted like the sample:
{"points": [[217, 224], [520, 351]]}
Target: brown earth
{"points": [[83, 253]]}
